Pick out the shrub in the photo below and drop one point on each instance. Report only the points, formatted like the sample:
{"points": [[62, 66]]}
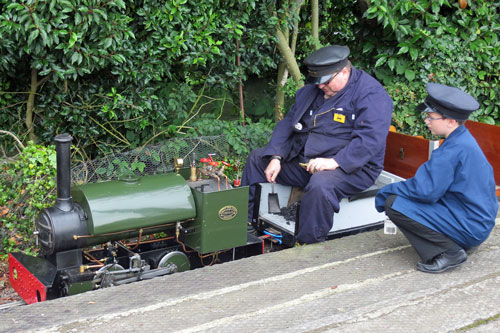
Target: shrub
{"points": [[27, 185], [436, 41]]}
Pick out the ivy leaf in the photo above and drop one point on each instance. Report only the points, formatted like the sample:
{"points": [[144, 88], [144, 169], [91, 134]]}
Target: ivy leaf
{"points": [[155, 156], [409, 74], [391, 63], [435, 7], [413, 53]]}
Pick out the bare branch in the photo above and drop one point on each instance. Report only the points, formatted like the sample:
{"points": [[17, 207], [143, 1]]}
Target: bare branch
{"points": [[14, 136]]}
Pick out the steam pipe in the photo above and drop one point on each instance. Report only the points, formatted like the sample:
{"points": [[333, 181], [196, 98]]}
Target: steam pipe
{"points": [[64, 201]]}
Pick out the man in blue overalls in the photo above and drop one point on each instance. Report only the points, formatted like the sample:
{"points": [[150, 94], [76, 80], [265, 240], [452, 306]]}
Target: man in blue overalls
{"points": [[450, 204], [338, 126]]}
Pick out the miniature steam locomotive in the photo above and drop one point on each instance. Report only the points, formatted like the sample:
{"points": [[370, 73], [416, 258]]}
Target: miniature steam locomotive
{"points": [[110, 233], [171, 224]]}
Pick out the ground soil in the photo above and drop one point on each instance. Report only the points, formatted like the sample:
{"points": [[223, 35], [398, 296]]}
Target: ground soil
{"points": [[7, 294]]}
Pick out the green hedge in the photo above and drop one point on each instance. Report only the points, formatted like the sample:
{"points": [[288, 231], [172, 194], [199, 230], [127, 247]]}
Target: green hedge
{"points": [[419, 41]]}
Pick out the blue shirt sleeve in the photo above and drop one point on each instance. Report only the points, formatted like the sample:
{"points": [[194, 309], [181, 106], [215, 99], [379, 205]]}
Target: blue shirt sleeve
{"points": [[430, 183]]}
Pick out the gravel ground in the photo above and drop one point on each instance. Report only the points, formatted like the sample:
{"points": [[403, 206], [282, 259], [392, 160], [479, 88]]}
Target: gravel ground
{"points": [[7, 294]]}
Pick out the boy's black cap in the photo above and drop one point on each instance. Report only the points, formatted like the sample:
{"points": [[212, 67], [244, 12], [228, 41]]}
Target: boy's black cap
{"points": [[451, 102], [323, 63]]}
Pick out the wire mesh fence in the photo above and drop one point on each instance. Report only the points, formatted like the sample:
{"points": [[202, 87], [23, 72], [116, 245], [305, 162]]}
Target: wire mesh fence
{"points": [[152, 159]]}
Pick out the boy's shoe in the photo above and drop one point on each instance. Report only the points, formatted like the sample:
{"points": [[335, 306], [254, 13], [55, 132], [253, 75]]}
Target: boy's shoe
{"points": [[443, 261]]}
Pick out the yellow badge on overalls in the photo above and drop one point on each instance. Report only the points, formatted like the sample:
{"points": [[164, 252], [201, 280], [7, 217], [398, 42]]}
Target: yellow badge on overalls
{"points": [[339, 118]]}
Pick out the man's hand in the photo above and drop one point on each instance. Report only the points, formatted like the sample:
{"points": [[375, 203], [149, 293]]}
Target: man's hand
{"points": [[272, 170], [321, 164]]}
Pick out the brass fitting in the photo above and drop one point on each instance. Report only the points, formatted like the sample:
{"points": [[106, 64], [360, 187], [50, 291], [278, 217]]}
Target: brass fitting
{"points": [[193, 177]]}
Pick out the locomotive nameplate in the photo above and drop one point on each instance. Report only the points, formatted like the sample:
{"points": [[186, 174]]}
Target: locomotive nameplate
{"points": [[227, 213]]}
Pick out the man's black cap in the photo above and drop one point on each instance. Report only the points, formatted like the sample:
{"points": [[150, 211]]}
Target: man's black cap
{"points": [[451, 102], [323, 63]]}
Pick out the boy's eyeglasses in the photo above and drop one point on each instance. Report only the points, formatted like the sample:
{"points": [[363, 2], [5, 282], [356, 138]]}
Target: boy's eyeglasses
{"points": [[431, 119]]}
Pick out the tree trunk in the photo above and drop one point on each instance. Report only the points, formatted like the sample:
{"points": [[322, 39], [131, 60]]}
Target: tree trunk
{"points": [[315, 22], [31, 105], [279, 101], [281, 80], [240, 85], [289, 58], [287, 51]]}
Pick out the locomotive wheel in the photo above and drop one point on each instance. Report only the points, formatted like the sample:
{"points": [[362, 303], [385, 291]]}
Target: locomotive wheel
{"points": [[179, 259], [63, 289]]}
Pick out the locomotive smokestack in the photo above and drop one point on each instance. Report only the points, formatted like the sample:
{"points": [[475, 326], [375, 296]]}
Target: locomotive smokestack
{"points": [[63, 145]]}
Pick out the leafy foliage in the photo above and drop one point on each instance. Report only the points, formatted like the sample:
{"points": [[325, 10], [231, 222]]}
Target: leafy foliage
{"points": [[67, 39], [241, 139], [117, 73], [27, 186], [436, 41]]}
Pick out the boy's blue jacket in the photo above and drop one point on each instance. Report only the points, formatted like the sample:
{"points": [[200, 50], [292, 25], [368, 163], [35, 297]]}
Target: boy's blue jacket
{"points": [[452, 193]]}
